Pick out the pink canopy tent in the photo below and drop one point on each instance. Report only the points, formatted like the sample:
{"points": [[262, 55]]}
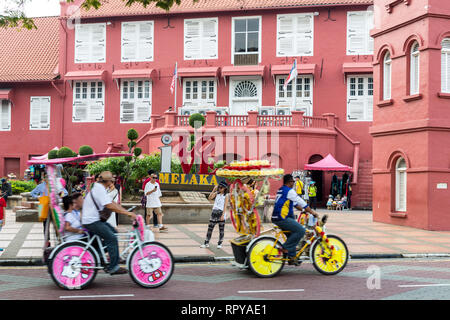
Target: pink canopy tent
{"points": [[328, 163]]}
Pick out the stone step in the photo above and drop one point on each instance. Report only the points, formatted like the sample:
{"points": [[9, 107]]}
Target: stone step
{"points": [[27, 215]]}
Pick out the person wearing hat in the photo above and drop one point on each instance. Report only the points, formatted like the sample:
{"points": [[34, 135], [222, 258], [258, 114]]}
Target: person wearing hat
{"points": [[283, 216], [96, 201], [312, 193], [218, 214]]}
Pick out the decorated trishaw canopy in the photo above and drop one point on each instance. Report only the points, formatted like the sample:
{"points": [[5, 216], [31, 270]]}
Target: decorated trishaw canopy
{"points": [[329, 163], [90, 157]]}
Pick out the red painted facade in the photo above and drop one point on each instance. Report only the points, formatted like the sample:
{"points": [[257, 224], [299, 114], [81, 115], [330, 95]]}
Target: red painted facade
{"points": [[414, 126], [328, 131]]}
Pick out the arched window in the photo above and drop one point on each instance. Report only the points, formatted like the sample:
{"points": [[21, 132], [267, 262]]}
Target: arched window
{"points": [[400, 185], [414, 69], [445, 66], [387, 65]]}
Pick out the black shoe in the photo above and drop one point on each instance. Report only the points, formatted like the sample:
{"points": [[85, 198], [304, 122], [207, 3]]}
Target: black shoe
{"points": [[293, 261], [119, 271]]}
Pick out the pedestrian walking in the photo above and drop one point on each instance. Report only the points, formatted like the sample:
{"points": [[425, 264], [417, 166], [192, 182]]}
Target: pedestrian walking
{"points": [[153, 205], [2, 214], [144, 200], [312, 193], [218, 214]]}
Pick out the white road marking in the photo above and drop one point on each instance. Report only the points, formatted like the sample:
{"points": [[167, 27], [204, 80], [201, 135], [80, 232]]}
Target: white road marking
{"points": [[98, 296], [271, 291], [424, 285]]}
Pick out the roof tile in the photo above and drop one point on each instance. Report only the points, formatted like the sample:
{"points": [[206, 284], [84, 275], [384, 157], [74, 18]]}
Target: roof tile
{"points": [[30, 55], [113, 8]]}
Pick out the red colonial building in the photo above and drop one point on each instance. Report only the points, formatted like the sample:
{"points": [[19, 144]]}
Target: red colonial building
{"points": [[86, 77], [411, 118]]}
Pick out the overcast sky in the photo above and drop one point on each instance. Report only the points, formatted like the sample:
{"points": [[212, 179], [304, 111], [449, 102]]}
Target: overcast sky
{"points": [[36, 8]]}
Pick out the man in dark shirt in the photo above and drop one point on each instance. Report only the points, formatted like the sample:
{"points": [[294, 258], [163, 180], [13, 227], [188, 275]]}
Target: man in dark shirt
{"points": [[6, 189]]}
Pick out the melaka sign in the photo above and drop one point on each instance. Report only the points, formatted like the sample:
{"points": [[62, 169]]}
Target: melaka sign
{"points": [[198, 182]]}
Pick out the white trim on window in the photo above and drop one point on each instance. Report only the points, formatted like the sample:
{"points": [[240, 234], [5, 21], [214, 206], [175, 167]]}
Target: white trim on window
{"points": [[233, 20], [90, 43], [400, 185], [304, 90], [199, 92], [387, 76], [88, 101], [5, 115], [137, 39], [201, 38], [359, 41], [40, 113], [295, 35], [359, 98], [445, 66], [414, 80], [135, 100]]}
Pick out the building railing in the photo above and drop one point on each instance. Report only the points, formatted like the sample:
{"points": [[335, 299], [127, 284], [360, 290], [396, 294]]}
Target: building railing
{"points": [[252, 120]]}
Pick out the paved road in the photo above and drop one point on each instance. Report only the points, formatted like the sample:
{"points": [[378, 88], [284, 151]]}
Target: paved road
{"points": [[401, 279]]}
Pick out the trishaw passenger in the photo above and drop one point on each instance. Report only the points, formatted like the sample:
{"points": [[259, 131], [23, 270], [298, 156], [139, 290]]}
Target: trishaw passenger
{"points": [[72, 225], [283, 216], [90, 219]]}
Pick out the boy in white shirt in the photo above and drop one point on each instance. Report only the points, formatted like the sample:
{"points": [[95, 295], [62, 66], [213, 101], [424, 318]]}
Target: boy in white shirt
{"points": [[153, 193]]}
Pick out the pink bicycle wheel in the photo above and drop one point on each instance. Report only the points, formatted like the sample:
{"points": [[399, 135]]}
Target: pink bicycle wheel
{"points": [[152, 266], [66, 266]]}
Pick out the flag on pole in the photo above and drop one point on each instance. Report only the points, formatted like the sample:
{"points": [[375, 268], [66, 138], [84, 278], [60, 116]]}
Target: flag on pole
{"points": [[292, 75], [174, 80]]}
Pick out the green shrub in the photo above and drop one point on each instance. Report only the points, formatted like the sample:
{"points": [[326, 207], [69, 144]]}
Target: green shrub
{"points": [[66, 152], [20, 186], [85, 150], [196, 117], [53, 154], [132, 134]]}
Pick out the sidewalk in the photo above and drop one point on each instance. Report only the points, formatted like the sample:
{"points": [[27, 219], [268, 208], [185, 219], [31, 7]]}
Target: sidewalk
{"points": [[22, 242]]}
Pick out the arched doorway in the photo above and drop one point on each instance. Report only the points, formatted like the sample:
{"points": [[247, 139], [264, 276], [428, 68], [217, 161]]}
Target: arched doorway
{"points": [[317, 176]]}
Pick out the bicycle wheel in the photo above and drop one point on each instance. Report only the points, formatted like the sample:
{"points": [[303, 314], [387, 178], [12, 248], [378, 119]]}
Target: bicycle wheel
{"points": [[66, 266], [151, 265], [326, 261], [265, 259]]}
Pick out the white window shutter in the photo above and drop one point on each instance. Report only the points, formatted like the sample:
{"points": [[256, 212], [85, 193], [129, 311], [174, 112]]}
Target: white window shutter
{"points": [[129, 42], [209, 38], [40, 113], [192, 41], [369, 25], [369, 109], [143, 111], [355, 109], [356, 32], [387, 81], [145, 41], [285, 35], [82, 43], [98, 42], [80, 111], [5, 115], [128, 113], [96, 111], [304, 39]]}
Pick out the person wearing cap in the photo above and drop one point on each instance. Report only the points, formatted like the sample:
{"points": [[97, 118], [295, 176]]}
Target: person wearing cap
{"points": [[283, 216], [90, 218], [312, 193], [218, 214]]}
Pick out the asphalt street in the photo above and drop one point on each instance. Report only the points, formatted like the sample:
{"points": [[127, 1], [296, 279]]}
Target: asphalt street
{"points": [[390, 279]]}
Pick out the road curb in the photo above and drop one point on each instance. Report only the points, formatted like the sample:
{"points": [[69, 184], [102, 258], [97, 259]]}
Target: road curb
{"points": [[25, 262]]}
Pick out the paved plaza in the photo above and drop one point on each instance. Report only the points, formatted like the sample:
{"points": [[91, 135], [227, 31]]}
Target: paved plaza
{"points": [[24, 241]]}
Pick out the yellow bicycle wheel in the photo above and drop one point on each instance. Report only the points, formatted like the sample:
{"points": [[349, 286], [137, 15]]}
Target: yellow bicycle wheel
{"points": [[265, 258], [330, 261]]}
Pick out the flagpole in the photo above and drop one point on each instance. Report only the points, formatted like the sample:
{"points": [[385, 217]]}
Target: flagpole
{"points": [[294, 87], [176, 80]]}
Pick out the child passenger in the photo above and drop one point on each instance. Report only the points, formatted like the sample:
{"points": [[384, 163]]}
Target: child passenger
{"points": [[72, 226]]}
